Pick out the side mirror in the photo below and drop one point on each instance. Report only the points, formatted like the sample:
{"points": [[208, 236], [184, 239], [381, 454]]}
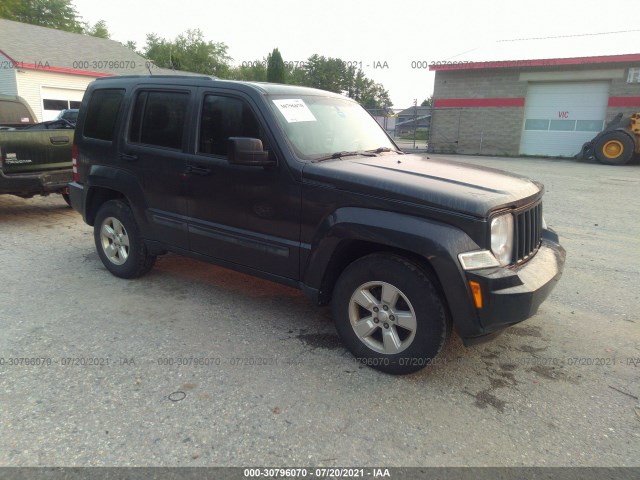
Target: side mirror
{"points": [[247, 151]]}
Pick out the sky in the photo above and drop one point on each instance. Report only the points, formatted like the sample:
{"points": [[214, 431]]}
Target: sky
{"points": [[392, 41]]}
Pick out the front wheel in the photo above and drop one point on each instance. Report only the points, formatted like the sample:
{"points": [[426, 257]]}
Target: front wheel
{"points": [[119, 243], [389, 314]]}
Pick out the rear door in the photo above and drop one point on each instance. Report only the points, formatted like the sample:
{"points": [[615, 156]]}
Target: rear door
{"points": [[154, 151]]}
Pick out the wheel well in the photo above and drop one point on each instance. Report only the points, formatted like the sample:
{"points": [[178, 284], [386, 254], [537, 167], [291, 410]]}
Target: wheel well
{"points": [[97, 197], [349, 251]]}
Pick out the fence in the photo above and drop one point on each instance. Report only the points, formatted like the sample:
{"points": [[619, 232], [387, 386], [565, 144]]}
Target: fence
{"points": [[409, 127]]}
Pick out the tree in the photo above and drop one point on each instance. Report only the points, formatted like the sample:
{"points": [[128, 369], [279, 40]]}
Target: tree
{"points": [[58, 14], [131, 45], [8, 8], [99, 30], [427, 102], [188, 52], [334, 75], [250, 72], [295, 74], [275, 67], [325, 73]]}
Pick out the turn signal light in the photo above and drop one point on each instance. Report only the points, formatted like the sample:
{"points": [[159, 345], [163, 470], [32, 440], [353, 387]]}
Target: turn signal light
{"points": [[476, 291]]}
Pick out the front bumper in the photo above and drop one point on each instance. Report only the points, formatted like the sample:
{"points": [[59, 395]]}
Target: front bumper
{"points": [[511, 295], [27, 185]]}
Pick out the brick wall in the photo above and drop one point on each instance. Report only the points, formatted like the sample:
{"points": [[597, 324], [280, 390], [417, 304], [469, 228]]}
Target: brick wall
{"points": [[490, 130], [479, 84], [620, 88]]}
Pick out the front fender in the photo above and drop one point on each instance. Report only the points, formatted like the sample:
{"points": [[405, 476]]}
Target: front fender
{"points": [[435, 242]]}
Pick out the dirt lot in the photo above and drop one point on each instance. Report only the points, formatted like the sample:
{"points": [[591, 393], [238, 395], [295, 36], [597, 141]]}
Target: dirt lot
{"points": [[266, 380]]}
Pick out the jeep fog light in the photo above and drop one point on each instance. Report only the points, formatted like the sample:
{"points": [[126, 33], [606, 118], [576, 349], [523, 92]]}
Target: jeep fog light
{"points": [[502, 238], [477, 260]]}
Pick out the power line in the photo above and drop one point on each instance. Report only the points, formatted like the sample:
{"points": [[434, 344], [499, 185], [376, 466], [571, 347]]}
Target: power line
{"points": [[566, 36]]}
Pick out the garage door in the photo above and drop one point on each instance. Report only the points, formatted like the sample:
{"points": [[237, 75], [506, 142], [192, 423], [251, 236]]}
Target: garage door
{"points": [[560, 117], [56, 99]]}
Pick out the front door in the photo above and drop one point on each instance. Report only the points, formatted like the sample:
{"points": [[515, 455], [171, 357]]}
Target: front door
{"points": [[244, 215]]}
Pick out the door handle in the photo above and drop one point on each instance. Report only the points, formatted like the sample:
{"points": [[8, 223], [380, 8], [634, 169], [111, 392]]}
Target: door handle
{"points": [[198, 170], [59, 140], [128, 158]]}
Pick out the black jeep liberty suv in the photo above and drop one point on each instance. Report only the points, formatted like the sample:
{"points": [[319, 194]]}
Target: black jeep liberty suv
{"points": [[303, 187]]}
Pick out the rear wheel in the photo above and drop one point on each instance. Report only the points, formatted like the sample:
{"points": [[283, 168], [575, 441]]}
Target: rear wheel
{"points": [[119, 243], [614, 148], [389, 314]]}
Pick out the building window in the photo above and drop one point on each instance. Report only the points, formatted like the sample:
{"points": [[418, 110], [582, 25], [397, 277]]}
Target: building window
{"points": [[589, 125], [634, 75], [536, 124], [562, 125], [55, 104]]}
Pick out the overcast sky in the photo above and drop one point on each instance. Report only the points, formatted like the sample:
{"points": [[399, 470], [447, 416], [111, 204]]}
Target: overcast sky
{"points": [[374, 32]]}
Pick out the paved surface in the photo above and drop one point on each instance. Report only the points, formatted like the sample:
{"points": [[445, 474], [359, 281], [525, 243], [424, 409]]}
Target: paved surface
{"points": [[279, 389]]}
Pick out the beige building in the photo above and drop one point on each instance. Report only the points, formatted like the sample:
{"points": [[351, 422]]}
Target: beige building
{"points": [[51, 69]]}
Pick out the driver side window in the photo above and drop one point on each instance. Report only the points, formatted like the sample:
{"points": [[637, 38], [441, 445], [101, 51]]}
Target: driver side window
{"points": [[224, 117]]}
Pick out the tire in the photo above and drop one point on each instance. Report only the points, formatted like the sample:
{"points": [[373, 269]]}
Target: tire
{"points": [[66, 198], [119, 243], [389, 314], [614, 148]]}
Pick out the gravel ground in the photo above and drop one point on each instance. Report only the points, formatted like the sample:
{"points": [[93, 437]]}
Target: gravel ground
{"points": [[274, 386]]}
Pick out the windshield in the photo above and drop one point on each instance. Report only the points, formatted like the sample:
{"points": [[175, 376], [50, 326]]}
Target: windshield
{"points": [[320, 127]]}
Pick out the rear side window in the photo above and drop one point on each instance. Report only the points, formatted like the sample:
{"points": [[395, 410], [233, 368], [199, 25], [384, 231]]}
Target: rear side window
{"points": [[102, 114], [14, 113], [159, 118]]}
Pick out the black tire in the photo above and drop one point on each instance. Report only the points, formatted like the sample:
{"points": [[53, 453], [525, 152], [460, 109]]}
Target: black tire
{"points": [[119, 243], [368, 278], [614, 148]]}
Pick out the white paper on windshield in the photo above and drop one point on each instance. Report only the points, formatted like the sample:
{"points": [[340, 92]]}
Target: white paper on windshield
{"points": [[294, 110]]}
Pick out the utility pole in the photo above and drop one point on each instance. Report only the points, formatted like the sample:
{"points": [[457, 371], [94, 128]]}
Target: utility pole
{"points": [[384, 112], [415, 120]]}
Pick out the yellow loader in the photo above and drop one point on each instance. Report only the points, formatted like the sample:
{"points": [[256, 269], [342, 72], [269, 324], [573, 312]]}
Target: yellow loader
{"points": [[617, 143]]}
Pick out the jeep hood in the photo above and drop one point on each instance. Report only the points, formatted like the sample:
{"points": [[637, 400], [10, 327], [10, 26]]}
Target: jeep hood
{"points": [[434, 183]]}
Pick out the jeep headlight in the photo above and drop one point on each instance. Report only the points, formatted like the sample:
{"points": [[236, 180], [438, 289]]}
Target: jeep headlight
{"points": [[502, 238]]}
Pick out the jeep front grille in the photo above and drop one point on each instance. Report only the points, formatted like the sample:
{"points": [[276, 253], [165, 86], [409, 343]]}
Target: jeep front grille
{"points": [[528, 234]]}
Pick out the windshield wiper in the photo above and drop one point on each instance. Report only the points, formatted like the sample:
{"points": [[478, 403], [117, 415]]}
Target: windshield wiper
{"points": [[345, 153], [385, 149]]}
